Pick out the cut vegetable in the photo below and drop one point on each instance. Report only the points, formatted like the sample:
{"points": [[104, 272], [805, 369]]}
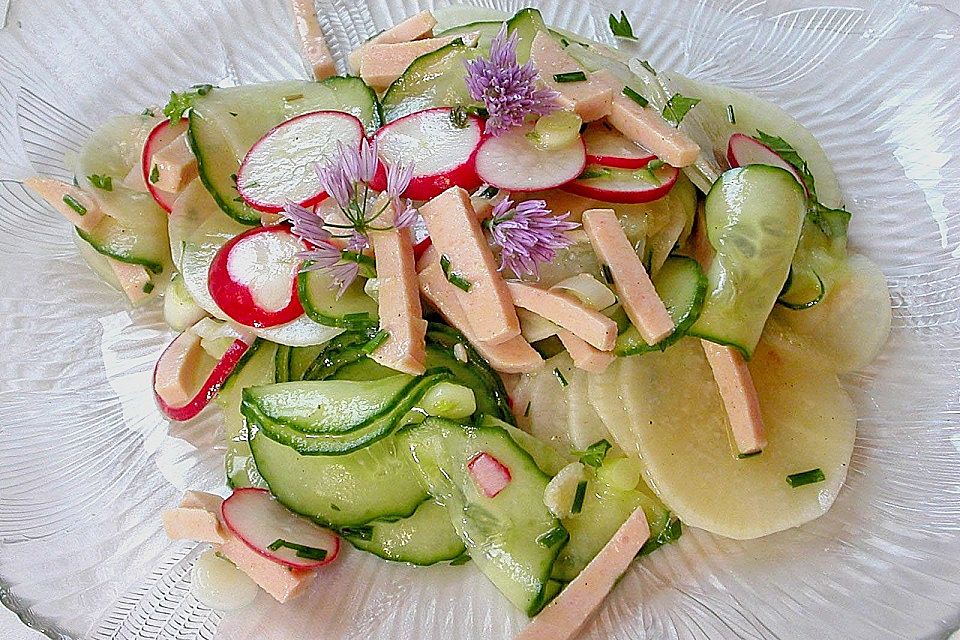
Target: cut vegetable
{"points": [[432, 80], [587, 94], [253, 277], [608, 147], [161, 137], [739, 397], [256, 518], [80, 210], [281, 166], [742, 150], [514, 162], [489, 474], [313, 46], [624, 186], [382, 64], [442, 152], [186, 379], [413, 28], [424, 538]]}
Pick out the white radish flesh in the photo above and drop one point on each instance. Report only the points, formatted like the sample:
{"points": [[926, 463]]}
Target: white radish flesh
{"points": [[607, 146], [513, 161], [743, 150], [259, 521]]}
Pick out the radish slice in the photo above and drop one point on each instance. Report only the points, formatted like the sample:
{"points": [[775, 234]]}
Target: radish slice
{"points": [[441, 153], [624, 186], [512, 161], [161, 136], [185, 358], [280, 167], [489, 474], [253, 278], [607, 146], [743, 150], [270, 529]]}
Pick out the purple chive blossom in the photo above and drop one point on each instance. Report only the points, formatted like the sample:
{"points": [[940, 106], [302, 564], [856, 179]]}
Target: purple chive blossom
{"points": [[508, 90], [398, 180], [528, 234], [323, 254]]}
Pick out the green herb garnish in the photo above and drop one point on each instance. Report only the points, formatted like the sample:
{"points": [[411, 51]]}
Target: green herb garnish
{"points": [[678, 107], [526, 412], [593, 455], [481, 112], [806, 477], [731, 116], [181, 102], [594, 172], [293, 97], [564, 42], [148, 287], [150, 113], [155, 174], [646, 65], [552, 537], [463, 558], [655, 164], [101, 182], [458, 117], [362, 532], [621, 28], [636, 97], [74, 204], [744, 456], [578, 497], [303, 551], [671, 532], [452, 277], [563, 381], [374, 343], [607, 273], [252, 185], [488, 192], [571, 76]]}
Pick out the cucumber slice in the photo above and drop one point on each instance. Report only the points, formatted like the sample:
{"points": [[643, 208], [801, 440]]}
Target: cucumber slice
{"points": [[192, 208], [547, 458], [180, 312], [435, 79], [488, 30], [98, 263], [424, 538], [682, 286], [111, 152], [225, 123], [335, 417], [753, 216], [282, 363], [300, 360], [353, 310], [526, 23], [378, 481], [256, 369], [141, 239], [512, 537]]}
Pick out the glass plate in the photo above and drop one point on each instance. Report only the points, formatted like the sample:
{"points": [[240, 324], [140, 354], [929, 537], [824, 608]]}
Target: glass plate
{"points": [[87, 464]]}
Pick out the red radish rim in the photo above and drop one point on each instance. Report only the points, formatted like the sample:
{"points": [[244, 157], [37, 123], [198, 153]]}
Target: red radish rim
{"points": [[426, 187], [616, 196], [620, 162], [732, 156], [235, 299], [210, 387], [479, 478], [313, 200], [162, 198], [305, 566], [515, 189]]}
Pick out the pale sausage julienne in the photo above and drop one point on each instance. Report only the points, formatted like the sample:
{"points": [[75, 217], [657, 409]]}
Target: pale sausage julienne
{"points": [[61, 195], [640, 300], [585, 356], [415, 27], [455, 233], [591, 99], [513, 356], [133, 279], [563, 618], [739, 396], [381, 64], [646, 127], [563, 310], [401, 315], [175, 166], [313, 46]]}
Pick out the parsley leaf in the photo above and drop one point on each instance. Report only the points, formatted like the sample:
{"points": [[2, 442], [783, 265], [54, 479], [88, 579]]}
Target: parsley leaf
{"points": [[180, 102], [783, 149], [593, 455], [621, 28], [678, 107], [101, 182]]}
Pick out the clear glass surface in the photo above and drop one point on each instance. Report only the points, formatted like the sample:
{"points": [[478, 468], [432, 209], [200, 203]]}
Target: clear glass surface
{"points": [[87, 463]]}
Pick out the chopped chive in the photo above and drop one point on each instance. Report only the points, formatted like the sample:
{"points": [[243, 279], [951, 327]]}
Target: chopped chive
{"points": [[203, 89], [293, 97], [458, 117], [621, 28], [361, 532], [526, 413], [233, 113], [454, 278], [806, 477], [655, 164], [594, 172], [303, 551], [238, 199], [148, 287], [572, 76], [636, 97], [375, 342], [74, 204], [488, 192], [334, 507], [744, 456], [155, 174], [647, 175], [563, 381], [353, 317], [607, 273], [148, 112], [564, 42], [478, 111], [646, 65], [552, 537], [577, 506], [593, 455], [233, 177], [463, 558], [101, 182], [671, 532], [252, 185], [731, 116]]}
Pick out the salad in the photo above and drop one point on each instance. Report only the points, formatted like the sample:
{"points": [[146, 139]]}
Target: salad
{"points": [[499, 296]]}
